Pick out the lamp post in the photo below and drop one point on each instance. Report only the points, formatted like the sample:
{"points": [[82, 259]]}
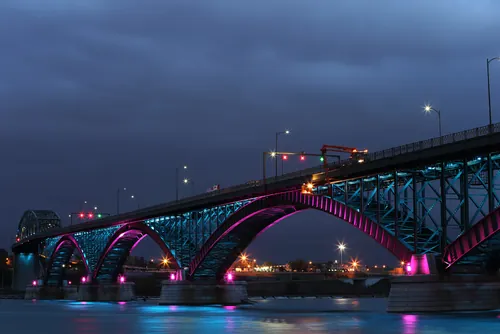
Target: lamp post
{"points": [[286, 132], [428, 109], [341, 247], [488, 61], [177, 181], [118, 191]]}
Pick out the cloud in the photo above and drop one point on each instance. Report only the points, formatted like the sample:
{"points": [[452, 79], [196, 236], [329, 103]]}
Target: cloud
{"points": [[142, 85]]}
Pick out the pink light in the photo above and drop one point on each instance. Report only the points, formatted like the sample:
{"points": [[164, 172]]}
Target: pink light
{"points": [[408, 268], [122, 279], [69, 282], [34, 283], [84, 279], [172, 277], [229, 277], [121, 235]]}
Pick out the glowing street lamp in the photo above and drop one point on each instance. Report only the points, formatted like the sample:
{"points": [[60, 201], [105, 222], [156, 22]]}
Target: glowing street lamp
{"points": [[428, 109], [488, 61], [177, 181], [341, 247], [286, 132]]}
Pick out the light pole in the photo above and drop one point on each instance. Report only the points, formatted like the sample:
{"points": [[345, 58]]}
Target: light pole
{"points": [[428, 109], [341, 247], [286, 132], [177, 181], [488, 61], [118, 191]]}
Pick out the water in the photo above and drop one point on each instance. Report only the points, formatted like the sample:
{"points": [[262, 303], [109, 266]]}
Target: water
{"points": [[346, 316]]}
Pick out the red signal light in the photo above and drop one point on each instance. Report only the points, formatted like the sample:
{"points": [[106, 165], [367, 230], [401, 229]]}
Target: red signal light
{"points": [[302, 158], [284, 157], [82, 215], [18, 239], [91, 215]]}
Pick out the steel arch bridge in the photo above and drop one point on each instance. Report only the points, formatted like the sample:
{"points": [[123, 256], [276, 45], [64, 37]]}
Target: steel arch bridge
{"points": [[199, 240], [419, 198], [37, 221]]}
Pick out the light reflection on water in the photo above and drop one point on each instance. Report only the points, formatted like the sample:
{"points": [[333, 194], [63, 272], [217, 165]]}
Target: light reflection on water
{"points": [[343, 316]]}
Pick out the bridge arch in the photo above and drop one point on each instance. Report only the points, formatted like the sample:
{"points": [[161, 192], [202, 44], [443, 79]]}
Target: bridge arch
{"points": [[119, 248], [36, 221], [237, 232], [467, 242], [59, 258]]}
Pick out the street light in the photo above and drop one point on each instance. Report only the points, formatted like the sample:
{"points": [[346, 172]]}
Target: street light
{"points": [[428, 109], [134, 198], [488, 61], [177, 181], [341, 247], [118, 199], [286, 132], [189, 181]]}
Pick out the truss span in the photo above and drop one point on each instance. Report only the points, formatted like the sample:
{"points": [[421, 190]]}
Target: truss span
{"points": [[479, 233], [59, 259], [119, 248], [226, 243], [37, 221]]}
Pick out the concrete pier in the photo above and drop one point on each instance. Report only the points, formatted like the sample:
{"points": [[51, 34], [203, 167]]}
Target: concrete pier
{"points": [[203, 293], [433, 293], [98, 293]]}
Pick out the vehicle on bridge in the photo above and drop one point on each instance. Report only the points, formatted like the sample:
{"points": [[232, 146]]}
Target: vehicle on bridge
{"points": [[213, 188]]}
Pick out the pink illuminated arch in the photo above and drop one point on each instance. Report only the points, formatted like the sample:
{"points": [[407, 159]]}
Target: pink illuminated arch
{"points": [[276, 207], [467, 242], [64, 241], [136, 228]]}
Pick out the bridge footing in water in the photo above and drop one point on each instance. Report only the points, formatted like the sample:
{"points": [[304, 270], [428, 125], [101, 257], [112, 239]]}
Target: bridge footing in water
{"points": [[433, 293], [203, 293], [97, 293]]}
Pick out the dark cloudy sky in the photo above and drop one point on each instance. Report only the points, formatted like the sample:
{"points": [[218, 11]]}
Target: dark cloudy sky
{"points": [[101, 94]]}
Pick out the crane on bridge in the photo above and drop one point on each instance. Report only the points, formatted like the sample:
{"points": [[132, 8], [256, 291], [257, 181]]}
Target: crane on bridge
{"points": [[355, 154]]}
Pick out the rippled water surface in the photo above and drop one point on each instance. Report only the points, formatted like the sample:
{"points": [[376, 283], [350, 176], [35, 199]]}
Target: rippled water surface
{"points": [[346, 316]]}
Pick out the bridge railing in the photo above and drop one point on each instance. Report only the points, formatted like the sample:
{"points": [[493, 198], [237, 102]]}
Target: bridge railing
{"points": [[434, 142]]}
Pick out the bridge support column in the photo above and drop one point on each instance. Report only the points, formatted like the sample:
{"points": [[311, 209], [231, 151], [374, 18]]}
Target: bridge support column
{"points": [[113, 292], [203, 293], [26, 269], [423, 264], [425, 290]]}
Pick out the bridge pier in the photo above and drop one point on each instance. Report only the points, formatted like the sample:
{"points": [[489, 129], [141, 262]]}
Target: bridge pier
{"points": [[428, 291], [84, 292], [26, 269], [203, 293]]}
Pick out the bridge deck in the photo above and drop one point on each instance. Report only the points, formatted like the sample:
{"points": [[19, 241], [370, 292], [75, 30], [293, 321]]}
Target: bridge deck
{"points": [[460, 145]]}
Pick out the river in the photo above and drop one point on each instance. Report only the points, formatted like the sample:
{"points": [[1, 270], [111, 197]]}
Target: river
{"points": [[291, 316]]}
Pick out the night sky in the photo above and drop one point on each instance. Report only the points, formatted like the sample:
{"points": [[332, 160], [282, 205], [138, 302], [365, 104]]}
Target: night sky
{"points": [[101, 94]]}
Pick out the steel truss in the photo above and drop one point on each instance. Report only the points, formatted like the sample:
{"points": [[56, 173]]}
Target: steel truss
{"points": [[185, 234], [428, 207], [424, 208]]}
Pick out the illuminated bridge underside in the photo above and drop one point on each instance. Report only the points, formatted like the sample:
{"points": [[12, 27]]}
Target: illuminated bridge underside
{"points": [[59, 260], [237, 232], [120, 247], [480, 232]]}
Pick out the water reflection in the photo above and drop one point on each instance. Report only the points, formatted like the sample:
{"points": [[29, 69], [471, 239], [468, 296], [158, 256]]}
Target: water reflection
{"points": [[342, 316], [409, 324]]}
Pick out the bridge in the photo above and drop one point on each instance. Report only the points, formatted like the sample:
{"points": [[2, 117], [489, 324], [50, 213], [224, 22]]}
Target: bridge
{"points": [[435, 197]]}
